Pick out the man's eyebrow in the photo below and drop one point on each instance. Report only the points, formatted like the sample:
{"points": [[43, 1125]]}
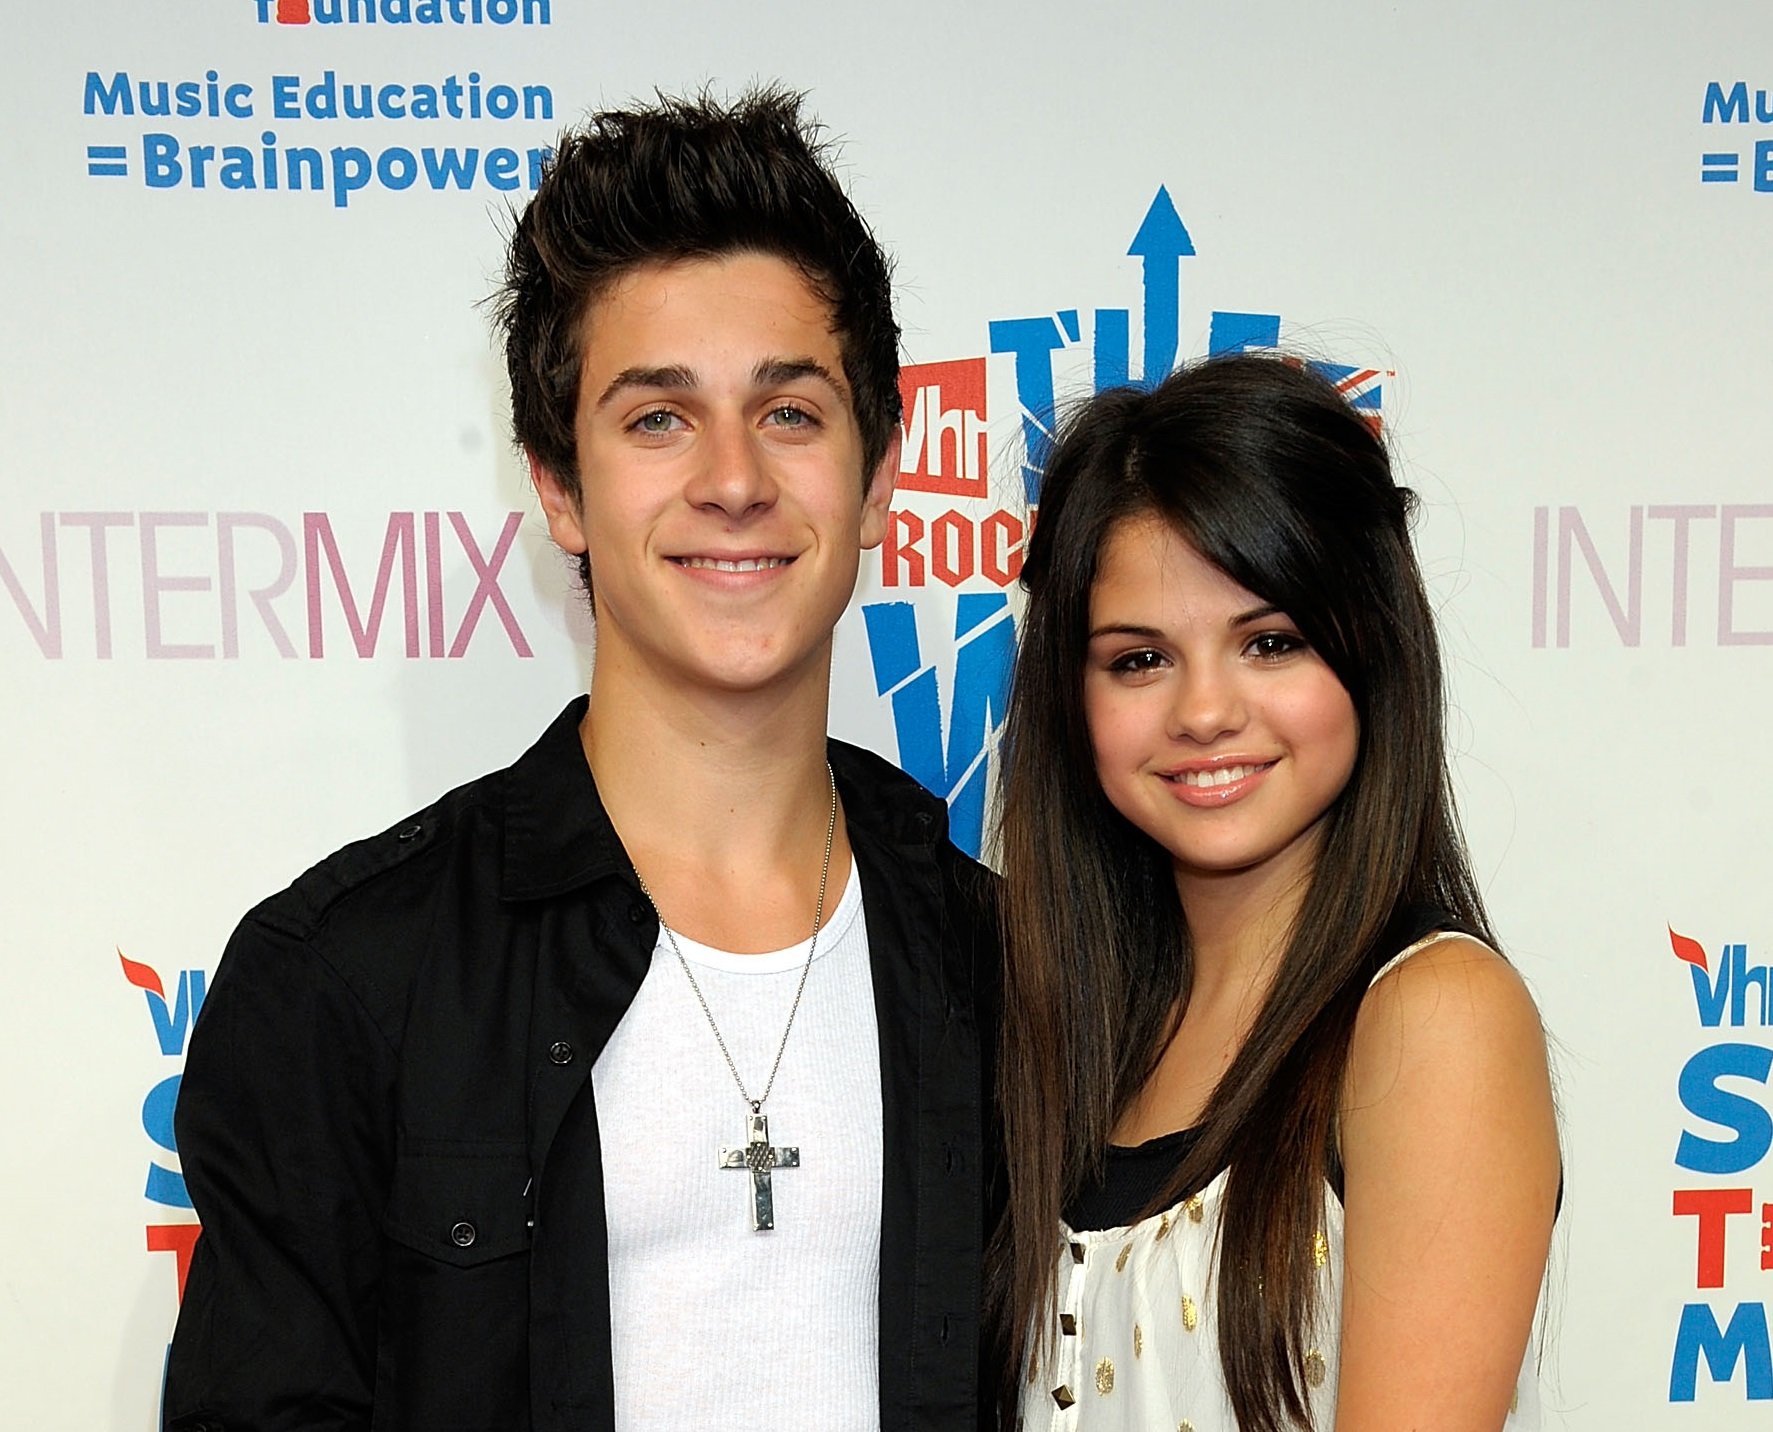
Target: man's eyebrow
{"points": [[767, 374], [673, 376], [772, 371]]}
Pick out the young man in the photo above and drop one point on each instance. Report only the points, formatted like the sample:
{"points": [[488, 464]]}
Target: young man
{"points": [[640, 1084]]}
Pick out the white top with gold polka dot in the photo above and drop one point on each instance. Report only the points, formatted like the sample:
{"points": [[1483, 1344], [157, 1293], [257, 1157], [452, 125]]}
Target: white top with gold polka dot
{"points": [[1137, 1346]]}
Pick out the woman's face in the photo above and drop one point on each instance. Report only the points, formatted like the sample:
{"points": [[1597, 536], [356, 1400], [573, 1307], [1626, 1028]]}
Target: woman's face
{"points": [[1217, 730]]}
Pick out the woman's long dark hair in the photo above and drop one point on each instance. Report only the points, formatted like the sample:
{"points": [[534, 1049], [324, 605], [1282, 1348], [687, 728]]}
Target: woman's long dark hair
{"points": [[1272, 477]]}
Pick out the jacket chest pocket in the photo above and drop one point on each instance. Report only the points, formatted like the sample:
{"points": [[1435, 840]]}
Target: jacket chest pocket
{"points": [[461, 1208], [454, 1326]]}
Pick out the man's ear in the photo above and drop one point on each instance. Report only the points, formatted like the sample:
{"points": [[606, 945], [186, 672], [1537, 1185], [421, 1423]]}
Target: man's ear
{"points": [[878, 500], [560, 506]]}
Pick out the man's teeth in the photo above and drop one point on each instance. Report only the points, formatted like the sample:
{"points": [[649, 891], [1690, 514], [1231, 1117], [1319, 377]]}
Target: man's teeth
{"points": [[1224, 776], [742, 564]]}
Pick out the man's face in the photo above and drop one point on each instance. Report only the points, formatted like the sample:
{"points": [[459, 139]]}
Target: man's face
{"points": [[721, 499]]}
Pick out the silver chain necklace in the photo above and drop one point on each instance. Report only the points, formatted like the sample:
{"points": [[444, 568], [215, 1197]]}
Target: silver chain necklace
{"points": [[756, 1153]]}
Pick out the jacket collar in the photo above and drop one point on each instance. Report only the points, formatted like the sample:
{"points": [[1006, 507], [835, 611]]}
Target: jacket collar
{"points": [[880, 800], [558, 837]]}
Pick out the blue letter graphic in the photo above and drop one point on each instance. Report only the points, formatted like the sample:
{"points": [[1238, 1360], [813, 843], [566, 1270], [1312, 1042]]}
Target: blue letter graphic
{"points": [[1032, 340], [984, 634], [164, 1186], [1721, 108], [1702, 1098], [1745, 1339], [1708, 995], [1240, 332], [171, 1026], [1163, 242], [160, 162]]}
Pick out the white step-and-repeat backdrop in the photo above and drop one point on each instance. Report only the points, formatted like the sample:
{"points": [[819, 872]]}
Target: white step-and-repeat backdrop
{"points": [[269, 575]]}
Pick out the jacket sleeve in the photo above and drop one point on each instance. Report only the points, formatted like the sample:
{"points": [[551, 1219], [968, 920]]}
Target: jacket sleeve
{"points": [[283, 1128], [979, 895]]}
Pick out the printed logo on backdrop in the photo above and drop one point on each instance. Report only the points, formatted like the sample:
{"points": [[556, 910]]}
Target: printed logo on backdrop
{"points": [[1744, 120], [335, 132], [1653, 574], [1722, 1336], [954, 527], [1675, 573], [172, 1009], [402, 12], [212, 585]]}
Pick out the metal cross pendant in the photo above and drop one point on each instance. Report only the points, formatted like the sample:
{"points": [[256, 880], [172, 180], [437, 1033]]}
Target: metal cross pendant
{"points": [[760, 1158]]}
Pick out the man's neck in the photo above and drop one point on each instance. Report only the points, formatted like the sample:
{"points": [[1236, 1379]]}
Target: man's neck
{"points": [[721, 800]]}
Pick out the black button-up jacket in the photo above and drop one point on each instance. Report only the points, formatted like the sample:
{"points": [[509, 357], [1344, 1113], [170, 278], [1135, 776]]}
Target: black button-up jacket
{"points": [[387, 1124]]}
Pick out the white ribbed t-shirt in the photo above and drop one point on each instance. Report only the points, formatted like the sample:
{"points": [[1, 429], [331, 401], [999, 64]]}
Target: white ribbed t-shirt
{"points": [[714, 1324]]}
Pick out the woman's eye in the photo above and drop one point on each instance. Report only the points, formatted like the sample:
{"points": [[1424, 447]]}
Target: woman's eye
{"points": [[1273, 644], [1137, 661]]}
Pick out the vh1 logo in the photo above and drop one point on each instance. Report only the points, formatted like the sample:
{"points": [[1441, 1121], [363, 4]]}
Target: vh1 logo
{"points": [[943, 428]]}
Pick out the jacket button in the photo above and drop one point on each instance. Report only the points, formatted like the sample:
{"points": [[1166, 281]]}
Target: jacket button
{"points": [[560, 1052], [409, 832], [463, 1235]]}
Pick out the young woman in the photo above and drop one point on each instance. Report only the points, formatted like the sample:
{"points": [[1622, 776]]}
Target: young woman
{"points": [[1280, 1133]]}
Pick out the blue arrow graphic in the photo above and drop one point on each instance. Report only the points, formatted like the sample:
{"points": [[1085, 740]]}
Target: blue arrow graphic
{"points": [[1162, 242]]}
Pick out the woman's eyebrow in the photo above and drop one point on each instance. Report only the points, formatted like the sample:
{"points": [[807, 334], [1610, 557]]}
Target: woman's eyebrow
{"points": [[1144, 633], [1255, 614]]}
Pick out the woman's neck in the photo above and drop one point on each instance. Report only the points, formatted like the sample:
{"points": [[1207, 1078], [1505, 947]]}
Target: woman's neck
{"points": [[1238, 927], [1239, 923]]}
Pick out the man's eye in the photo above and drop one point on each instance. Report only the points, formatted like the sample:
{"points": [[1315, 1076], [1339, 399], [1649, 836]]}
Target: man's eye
{"points": [[786, 415], [659, 420]]}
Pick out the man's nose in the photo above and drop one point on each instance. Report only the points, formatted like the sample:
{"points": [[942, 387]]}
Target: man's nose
{"points": [[732, 474]]}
